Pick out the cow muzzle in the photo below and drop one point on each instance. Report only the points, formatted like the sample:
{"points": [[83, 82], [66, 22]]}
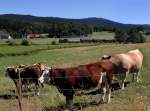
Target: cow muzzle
{"points": [[41, 79]]}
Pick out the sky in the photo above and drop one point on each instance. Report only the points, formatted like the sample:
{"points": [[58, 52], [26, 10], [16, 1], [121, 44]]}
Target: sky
{"points": [[123, 11]]}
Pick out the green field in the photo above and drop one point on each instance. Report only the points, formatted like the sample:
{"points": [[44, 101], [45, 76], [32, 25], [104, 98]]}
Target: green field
{"points": [[103, 35], [135, 97], [147, 38]]}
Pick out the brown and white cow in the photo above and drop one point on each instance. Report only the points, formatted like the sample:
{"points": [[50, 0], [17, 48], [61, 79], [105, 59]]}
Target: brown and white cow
{"points": [[28, 75], [126, 63], [68, 80]]}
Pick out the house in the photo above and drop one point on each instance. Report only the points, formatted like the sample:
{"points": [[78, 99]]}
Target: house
{"points": [[36, 35], [4, 35], [147, 32]]}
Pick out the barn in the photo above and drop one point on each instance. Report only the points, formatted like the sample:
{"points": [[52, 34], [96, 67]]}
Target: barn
{"points": [[4, 35]]}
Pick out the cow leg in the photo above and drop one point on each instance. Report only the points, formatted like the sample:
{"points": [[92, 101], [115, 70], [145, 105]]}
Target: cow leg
{"points": [[133, 77], [108, 92], [123, 79], [25, 87], [122, 84], [37, 85], [69, 101], [42, 85], [137, 76], [103, 96]]}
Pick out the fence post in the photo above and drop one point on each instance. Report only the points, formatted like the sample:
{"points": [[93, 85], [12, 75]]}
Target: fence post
{"points": [[19, 92]]}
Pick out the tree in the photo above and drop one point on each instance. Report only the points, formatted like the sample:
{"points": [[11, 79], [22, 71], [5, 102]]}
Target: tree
{"points": [[121, 36], [135, 36]]}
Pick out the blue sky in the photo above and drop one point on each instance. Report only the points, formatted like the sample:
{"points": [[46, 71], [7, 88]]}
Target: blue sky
{"points": [[124, 11]]}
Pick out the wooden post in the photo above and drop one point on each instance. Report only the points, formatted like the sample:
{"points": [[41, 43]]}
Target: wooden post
{"points": [[19, 92]]}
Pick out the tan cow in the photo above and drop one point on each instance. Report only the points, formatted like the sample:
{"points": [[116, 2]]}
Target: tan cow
{"points": [[126, 63]]}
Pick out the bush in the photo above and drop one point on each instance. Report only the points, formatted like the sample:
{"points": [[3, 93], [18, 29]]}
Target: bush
{"points": [[11, 43], [53, 42], [25, 42], [121, 36], [63, 40], [133, 36]]}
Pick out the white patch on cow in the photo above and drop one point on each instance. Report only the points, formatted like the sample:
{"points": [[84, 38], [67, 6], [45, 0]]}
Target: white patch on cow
{"points": [[109, 96], [104, 94], [44, 75], [16, 70], [41, 79], [38, 93], [137, 76], [102, 76]]}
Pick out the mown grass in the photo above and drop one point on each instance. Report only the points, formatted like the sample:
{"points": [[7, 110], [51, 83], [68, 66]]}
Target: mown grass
{"points": [[103, 35], [27, 50], [147, 38], [136, 97]]}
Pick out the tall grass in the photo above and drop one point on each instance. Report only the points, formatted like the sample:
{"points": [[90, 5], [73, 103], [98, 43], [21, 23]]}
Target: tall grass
{"points": [[135, 97]]}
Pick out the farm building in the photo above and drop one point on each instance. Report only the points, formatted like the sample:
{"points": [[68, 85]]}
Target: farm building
{"points": [[33, 35], [4, 35], [75, 39], [147, 32]]}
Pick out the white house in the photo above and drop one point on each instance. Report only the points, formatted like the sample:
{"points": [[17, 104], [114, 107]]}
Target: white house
{"points": [[4, 35]]}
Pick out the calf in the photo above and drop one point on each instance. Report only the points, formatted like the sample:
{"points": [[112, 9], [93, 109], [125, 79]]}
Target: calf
{"points": [[68, 80], [126, 63], [28, 75]]}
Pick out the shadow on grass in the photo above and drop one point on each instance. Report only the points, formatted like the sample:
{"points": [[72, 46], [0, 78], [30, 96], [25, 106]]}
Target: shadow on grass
{"points": [[115, 86], [76, 106], [14, 95], [81, 105], [8, 96]]}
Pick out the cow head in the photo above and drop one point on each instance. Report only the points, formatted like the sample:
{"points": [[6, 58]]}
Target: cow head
{"points": [[45, 77], [12, 72], [104, 57], [41, 66]]}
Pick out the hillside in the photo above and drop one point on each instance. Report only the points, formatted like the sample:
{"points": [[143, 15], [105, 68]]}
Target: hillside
{"points": [[92, 21]]}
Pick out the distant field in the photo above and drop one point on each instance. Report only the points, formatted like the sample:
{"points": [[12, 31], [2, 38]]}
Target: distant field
{"points": [[147, 38], [103, 35], [136, 97]]}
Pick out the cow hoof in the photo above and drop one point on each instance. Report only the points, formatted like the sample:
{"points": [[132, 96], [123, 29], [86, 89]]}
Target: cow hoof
{"points": [[38, 94]]}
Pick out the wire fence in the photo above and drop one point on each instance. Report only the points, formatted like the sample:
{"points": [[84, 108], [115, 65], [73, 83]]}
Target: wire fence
{"points": [[12, 98]]}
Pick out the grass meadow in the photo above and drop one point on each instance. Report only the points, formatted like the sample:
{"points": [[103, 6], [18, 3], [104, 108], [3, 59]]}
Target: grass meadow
{"points": [[135, 97], [103, 35]]}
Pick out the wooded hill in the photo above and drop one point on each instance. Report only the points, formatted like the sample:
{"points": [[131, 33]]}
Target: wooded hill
{"points": [[57, 27]]}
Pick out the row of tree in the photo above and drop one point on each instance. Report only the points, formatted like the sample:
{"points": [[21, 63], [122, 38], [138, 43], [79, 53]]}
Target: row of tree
{"points": [[57, 29], [18, 29], [127, 36]]}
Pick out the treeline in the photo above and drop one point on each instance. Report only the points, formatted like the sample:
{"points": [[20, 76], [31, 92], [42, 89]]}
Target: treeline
{"points": [[18, 29], [129, 36], [69, 30], [103, 28]]}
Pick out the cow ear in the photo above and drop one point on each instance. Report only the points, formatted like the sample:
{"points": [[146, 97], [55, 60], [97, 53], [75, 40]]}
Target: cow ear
{"points": [[106, 57], [8, 68], [109, 57]]}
